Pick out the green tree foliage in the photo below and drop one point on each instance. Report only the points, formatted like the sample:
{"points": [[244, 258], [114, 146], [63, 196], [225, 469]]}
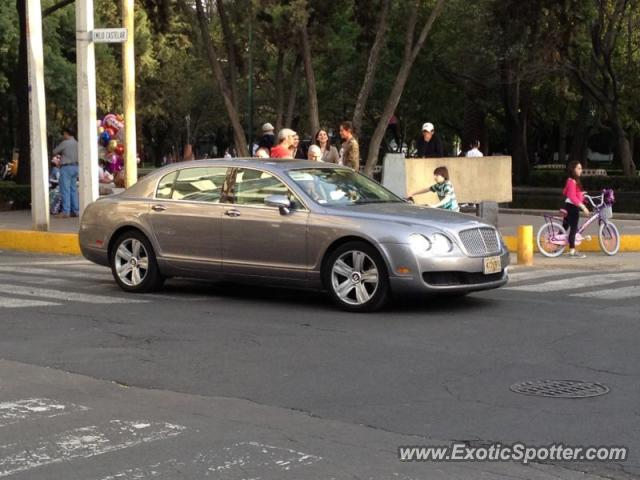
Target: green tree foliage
{"points": [[525, 78]]}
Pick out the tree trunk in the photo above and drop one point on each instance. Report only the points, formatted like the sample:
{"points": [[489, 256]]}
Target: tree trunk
{"points": [[562, 138], [238, 132], [372, 65], [312, 94], [474, 123], [279, 89], [231, 52], [580, 134], [624, 147], [22, 95], [411, 52], [293, 92]]}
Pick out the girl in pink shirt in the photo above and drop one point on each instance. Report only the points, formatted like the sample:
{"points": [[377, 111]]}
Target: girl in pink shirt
{"points": [[574, 202]]}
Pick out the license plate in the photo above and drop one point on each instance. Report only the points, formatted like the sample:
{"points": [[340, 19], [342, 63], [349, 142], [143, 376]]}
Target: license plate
{"points": [[492, 265]]}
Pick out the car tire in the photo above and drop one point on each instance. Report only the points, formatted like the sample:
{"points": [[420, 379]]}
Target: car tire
{"points": [[356, 277], [133, 263]]}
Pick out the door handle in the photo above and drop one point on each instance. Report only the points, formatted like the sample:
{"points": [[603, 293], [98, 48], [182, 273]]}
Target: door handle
{"points": [[232, 212], [158, 208]]}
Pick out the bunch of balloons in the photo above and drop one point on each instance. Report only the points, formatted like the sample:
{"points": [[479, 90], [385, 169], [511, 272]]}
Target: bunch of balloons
{"points": [[110, 137]]}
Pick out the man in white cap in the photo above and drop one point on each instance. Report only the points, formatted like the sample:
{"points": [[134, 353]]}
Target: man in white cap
{"points": [[429, 144], [285, 139]]}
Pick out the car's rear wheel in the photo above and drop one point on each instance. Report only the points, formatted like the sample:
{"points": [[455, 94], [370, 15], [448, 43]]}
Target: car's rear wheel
{"points": [[356, 276], [133, 263]]}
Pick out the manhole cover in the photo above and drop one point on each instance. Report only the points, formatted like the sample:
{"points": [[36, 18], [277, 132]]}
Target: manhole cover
{"points": [[559, 388]]}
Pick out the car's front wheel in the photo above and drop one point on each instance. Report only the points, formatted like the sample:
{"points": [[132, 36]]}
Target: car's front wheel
{"points": [[356, 276], [133, 263]]}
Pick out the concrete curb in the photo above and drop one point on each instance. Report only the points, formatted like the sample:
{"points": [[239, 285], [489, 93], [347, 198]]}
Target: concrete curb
{"points": [[40, 242]]}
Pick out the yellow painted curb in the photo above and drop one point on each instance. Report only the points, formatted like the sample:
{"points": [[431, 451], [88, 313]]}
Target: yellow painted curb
{"points": [[40, 242], [628, 243]]}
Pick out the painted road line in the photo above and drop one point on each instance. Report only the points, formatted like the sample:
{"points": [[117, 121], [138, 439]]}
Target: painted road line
{"points": [[29, 291], [83, 442], [536, 274], [242, 460], [56, 282], [51, 262], [6, 302], [612, 293], [575, 282], [34, 409], [51, 272]]}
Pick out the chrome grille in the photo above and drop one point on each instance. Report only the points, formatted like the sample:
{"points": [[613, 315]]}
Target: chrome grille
{"points": [[480, 241]]}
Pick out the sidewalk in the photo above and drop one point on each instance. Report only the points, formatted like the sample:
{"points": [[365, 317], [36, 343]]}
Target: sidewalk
{"points": [[16, 234]]}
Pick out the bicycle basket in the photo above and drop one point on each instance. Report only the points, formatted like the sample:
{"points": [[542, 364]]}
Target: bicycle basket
{"points": [[607, 212]]}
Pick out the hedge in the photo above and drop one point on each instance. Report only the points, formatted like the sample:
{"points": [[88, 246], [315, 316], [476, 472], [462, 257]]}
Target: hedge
{"points": [[557, 178], [20, 195]]}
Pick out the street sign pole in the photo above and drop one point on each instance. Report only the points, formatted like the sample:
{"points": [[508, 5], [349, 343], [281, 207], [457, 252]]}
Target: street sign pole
{"points": [[129, 95], [87, 115], [37, 119]]}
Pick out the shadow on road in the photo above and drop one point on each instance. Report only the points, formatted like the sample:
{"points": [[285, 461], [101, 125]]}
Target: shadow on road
{"points": [[319, 300]]}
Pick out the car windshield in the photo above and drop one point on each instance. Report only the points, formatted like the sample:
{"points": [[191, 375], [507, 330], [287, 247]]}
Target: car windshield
{"points": [[340, 186]]}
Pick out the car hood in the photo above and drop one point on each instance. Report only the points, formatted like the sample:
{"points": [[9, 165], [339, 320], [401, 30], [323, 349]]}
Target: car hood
{"points": [[409, 214]]}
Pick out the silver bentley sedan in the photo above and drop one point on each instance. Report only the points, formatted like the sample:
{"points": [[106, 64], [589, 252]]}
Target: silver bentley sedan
{"points": [[299, 224]]}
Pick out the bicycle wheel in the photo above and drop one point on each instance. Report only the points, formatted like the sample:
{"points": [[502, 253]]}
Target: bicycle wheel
{"points": [[609, 238], [552, 239]]}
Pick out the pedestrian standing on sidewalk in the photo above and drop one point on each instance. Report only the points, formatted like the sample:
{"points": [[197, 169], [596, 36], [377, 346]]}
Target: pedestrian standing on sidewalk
{"points": [[573, 203], [350, 150], [329, 152], [68, 151]]}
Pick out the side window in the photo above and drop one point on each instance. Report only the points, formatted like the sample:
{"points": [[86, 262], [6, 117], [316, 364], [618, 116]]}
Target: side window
{"points": [[200, 184], [165, 187], [251, 187]]}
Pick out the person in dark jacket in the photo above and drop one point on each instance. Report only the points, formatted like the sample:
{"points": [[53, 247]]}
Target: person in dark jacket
{"points": [[430, 144]]}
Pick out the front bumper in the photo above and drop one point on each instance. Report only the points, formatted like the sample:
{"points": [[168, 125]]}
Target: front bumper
{"points": [[455, 272]]}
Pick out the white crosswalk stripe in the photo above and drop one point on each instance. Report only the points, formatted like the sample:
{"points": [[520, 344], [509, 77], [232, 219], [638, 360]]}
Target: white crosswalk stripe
{"points": [[574, 282], [62, 295], [35, 409], [55, 273], [83, 442], [6, 302], [526, 275], [611, 293]]}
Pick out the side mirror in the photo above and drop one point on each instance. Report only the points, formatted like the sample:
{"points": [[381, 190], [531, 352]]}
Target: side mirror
{"points": [[279, 201]]}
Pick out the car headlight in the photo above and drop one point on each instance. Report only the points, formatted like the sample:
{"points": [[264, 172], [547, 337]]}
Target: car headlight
{"points": [[419, 243], [440, 243], [436, 243]]}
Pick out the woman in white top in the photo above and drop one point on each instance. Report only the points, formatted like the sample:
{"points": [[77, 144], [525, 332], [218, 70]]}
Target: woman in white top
{"points": [[474, 151], [329, 152]]}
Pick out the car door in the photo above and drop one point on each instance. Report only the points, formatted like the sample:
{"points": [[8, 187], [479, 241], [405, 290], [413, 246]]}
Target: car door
{"points": [[186, 217], [258, 240]]}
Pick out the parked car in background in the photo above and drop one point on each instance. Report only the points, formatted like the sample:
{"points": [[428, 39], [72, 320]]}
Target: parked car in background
{"points": [[288, 223]]}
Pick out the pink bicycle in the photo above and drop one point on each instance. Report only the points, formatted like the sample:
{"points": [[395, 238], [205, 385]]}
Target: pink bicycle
{"points": [[553, 238]]}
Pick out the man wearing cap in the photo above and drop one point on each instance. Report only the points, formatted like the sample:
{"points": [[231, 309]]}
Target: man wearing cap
{"points": [[429, 145], [285, 139]]}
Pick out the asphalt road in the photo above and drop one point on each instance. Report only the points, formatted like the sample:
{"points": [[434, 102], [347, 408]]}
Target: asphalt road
{"points": [[224, 381]]}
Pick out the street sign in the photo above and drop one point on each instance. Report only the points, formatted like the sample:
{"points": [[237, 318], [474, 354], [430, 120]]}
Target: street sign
{"points": [[109, 35]]}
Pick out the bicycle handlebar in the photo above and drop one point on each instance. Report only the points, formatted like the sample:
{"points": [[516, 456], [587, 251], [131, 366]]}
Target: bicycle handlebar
{"points": [[591, 197]]}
